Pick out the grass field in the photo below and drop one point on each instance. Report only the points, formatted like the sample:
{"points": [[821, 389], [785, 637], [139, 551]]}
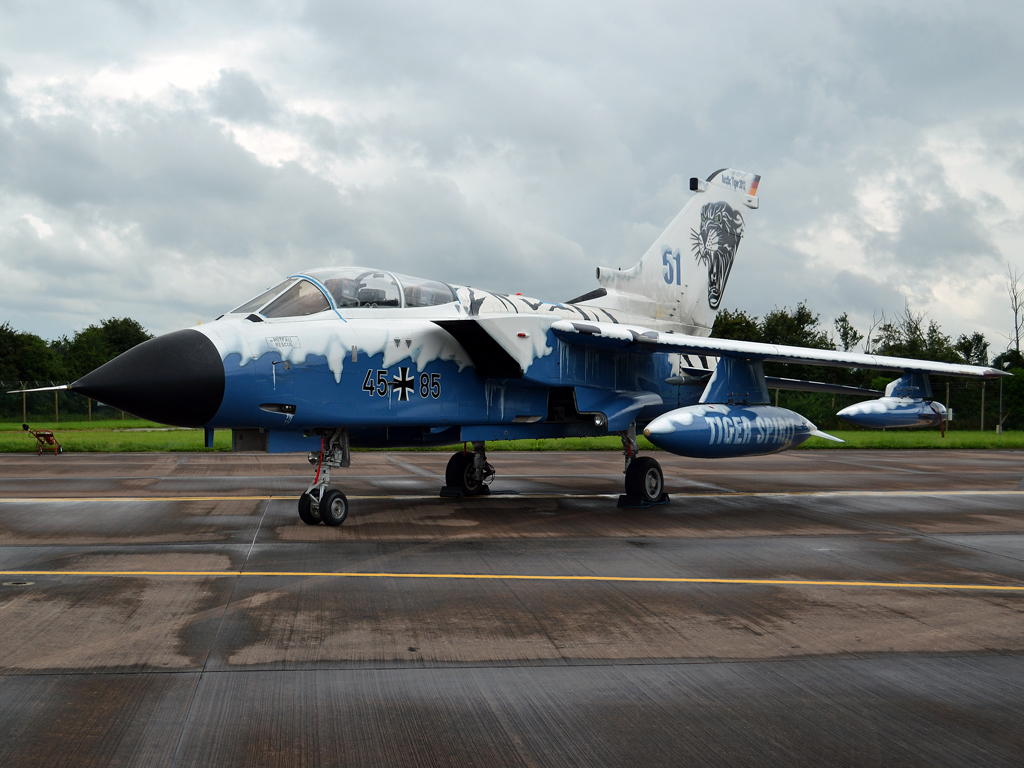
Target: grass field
{"points": [[137, 435], [113, 436]]}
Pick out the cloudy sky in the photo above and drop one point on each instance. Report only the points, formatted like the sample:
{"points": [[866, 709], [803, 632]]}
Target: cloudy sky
{"points": [[168, 160]]}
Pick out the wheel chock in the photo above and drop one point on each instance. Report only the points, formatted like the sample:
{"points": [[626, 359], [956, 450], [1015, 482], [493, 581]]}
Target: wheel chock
{"points": [[625, 500], [454, 492]]}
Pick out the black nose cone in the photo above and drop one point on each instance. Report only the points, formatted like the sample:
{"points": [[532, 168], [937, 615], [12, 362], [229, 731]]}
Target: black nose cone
{"points": [[174, 379]]}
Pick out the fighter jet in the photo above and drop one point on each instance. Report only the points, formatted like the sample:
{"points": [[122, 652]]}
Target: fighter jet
{"points": [[340, 357]]}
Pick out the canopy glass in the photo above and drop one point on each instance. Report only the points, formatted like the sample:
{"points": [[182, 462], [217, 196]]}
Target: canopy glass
{"points": [[347, 288]]}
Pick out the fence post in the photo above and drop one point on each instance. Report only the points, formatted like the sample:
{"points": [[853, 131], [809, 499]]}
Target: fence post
{"points": [[947, 405], [983, 406], [999, 426], [56, 410], [24, 410], [90, 407]]}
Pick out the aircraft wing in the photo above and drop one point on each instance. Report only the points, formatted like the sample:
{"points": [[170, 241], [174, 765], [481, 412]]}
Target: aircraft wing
{"points": [[616, 336]]}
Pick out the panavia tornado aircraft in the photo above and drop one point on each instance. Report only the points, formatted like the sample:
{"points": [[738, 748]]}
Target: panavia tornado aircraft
{"points": [[344, 357]]}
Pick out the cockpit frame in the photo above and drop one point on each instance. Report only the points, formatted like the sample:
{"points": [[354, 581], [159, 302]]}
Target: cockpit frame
{"points": [[346, 288]]}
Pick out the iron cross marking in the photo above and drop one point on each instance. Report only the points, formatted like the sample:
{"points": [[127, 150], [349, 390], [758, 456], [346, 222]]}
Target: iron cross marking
{"points": [[403, 383]]}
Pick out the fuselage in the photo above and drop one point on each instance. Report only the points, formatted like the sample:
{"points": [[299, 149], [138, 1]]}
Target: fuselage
{"points": [[364, 349]]}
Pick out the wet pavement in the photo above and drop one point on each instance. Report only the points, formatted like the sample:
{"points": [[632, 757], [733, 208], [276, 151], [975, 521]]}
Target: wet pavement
{"points": [[783, 610]]}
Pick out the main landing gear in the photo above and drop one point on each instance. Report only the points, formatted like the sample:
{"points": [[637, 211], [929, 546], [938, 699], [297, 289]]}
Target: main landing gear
{"points": [[468, 473], [645, 482], [319, 503]]}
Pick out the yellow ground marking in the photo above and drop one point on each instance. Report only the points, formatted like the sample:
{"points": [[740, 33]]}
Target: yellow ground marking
{"points": [[530, 577], [499, 495]]}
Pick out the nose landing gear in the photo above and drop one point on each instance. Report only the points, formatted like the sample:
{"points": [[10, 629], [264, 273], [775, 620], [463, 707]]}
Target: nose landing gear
{"points": [[319, 503]]}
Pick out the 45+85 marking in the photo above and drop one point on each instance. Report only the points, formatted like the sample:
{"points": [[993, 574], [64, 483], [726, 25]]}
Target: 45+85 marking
{"points": [[403, 383]]}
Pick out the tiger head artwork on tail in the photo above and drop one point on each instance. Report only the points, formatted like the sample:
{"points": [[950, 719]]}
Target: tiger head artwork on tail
{"points": [[715, 244]]}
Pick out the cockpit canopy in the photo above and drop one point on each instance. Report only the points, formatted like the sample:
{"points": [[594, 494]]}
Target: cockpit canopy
{"points": [[346, 288]]}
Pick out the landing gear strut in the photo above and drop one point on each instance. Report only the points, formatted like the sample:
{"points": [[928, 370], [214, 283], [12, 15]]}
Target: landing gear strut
{"points": [[468, 474], [645, 482], [319, 503]]}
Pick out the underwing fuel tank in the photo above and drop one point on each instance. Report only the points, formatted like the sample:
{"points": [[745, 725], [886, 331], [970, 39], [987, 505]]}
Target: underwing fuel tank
{"points": [[721, 431], [891, 412], [907, 403]]}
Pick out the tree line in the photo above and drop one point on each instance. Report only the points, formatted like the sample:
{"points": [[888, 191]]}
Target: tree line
{"points": [[26, 357]]}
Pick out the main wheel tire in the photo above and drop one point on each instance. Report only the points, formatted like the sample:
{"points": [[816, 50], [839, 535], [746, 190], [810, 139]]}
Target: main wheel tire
{"points": [[333, 508], [309, 510], [645, 479], [459, 474], [453, 472]]}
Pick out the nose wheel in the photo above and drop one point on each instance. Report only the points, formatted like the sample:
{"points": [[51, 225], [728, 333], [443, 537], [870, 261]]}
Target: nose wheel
{"points": [[309, 509], [320, 503], [333, 507]]}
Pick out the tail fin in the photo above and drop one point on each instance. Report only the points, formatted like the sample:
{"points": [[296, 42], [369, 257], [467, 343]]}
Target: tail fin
{"points": [[681, 279]]}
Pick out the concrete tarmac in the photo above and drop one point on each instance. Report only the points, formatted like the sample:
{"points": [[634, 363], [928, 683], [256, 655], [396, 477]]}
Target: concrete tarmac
{"points": [[827, 608]]}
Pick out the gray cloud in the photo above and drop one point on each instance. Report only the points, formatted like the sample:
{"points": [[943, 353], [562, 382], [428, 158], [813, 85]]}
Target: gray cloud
{"points": [[862, 296], [237, 96], [937, 238]]}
